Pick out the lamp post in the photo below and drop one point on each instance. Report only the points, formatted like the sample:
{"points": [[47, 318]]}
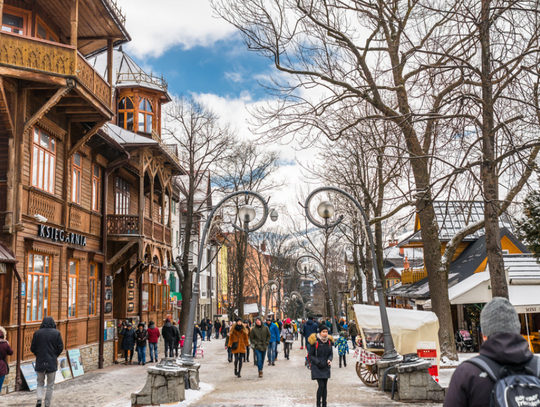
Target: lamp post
{"points": [[296, 294], [246, 214], [272, 285], [326, 211], [306, 273]]}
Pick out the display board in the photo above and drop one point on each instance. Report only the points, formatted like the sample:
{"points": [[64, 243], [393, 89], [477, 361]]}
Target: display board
{"points": [[64, 368], [30, 376], [75, 360]]}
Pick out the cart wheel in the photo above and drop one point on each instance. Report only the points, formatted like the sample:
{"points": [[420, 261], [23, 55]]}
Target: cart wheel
{"points": [[368, 374]]}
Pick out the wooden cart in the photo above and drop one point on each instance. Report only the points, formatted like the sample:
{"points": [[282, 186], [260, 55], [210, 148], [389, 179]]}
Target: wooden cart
{"points": [[370, 349]]}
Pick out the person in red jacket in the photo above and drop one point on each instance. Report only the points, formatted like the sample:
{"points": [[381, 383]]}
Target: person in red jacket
{"points": [[5, 350], [153, 337]]}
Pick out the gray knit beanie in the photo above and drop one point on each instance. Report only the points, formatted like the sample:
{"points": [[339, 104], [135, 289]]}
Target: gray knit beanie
{"points": [[499, 316]]}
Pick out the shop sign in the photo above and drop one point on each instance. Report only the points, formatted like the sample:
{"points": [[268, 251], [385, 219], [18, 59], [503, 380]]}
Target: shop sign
{"points": [[58, 235]]}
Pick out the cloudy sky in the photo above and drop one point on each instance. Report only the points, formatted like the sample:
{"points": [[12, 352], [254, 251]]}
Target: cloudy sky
{"points": [[202, 55]]}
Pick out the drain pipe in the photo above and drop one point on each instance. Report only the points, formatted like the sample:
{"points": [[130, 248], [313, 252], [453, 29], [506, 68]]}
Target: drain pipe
{"points": [[112, 166], [19, 328]]}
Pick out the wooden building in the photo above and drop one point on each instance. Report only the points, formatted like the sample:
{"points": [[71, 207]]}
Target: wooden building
{"points": [[85, 180]]}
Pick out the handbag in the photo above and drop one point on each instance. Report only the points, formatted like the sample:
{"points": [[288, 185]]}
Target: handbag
{"points": [[234, 345]]}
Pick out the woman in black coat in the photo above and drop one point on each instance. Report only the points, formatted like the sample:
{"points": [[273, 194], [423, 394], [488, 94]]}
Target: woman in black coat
{"points": [[129, 338], [320, 357]]}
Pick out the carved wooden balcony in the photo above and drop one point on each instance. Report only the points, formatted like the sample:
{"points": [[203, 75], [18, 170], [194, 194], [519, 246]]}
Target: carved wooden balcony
{"points": [[122, 225], [36, 56]]}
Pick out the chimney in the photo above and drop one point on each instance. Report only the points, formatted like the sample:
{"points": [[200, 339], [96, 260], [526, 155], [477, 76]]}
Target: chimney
{"points": [[406, 264], [263, 247]]}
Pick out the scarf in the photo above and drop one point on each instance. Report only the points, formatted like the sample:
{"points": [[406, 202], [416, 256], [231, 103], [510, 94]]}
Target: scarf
{"points": [[238, 327], [321, 339]]}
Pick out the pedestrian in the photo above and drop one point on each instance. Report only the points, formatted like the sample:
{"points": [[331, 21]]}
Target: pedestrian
{"points": [[320, 357], [228, 346], [287, 337], [169, 335], [343, 348], [295, 327], [209, 326], [142, 338], [217, 327], [328, 324], [196, 331], [47, 345], [5, 351], [203, 327], [247, 325], [353, 332], [260, 338], [471, 385], [301, 331], [153, 338], [182, 341], [238, 342], [176, 338], [129, 339], [310, 328], [272, 344]]}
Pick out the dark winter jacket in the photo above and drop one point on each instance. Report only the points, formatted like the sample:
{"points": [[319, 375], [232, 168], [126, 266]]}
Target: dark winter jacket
{"points": [[319, 355], [168, 332], [5, 350], [153, 333], [469, 386], [217, 325], [129, 339], [310, 328], [47, 345], [142, 337], [274, 332], [353, 330], [203, 326], [260, 337], [196, 331], [301, 328], [176, 334]]}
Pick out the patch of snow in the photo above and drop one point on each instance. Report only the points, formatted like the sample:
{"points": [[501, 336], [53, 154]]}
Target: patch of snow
{"points": [[445, 362]]}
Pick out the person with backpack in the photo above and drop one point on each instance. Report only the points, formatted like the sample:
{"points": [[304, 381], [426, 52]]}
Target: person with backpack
{"points": [[217, 327], [343, 348], [491, 379], [320, 357], [5, 351], [287, 337], [204, 328]]}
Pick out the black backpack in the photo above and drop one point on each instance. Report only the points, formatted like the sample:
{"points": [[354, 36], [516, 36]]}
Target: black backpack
{"points": [[515, 386]]}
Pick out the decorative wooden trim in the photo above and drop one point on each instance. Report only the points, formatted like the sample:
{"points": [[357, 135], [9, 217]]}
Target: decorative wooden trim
{"points": [[94, 257], [85, 150], [120, 253], [52, 128], [76, 254], [42, 247], [102, 161], [46, 107]]}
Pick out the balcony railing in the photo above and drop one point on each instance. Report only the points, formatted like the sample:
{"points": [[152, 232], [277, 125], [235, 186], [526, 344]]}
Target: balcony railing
{"points": [[122, 224], [410, 276], [53, 58]]}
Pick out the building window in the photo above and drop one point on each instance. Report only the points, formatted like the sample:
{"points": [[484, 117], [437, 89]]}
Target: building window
{"points": [[73, 288], [92, 289], [14, 22], [125, 113], [43, 161], [96, 186], [165, 290], [37, 289], [145, 115], [121, 197], [44, 32], [76, 179]]}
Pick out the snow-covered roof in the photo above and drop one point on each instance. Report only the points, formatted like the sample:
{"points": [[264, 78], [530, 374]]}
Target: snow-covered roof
{"points": [[127, 73]]}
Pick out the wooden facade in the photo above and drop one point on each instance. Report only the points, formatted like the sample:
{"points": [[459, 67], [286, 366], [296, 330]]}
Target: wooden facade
{"points": [[87, 215]]}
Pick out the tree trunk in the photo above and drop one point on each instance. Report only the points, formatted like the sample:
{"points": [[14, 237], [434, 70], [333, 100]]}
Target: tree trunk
{"points": [[489, 170], [187, 285], [358, 274]]}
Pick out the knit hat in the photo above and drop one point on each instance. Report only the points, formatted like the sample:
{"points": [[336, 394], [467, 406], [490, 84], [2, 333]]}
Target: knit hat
{"points": [[499, 316], [288, 321], [323, 327]]}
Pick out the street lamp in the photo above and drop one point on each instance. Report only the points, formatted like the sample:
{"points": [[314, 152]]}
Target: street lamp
{"points": [[274, 215], [305, 272], [246, 214], [296, 294], [326, 211]]}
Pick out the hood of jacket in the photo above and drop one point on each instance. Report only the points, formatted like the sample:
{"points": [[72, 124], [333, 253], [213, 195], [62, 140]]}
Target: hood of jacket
{"points": [[507, 349], [48, 322], [151, 326], [313, 338], [3, 333], [168, 323], [310, 322]]}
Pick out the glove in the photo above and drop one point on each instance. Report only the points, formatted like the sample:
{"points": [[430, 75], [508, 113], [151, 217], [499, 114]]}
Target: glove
{"points": [[322, 365]]}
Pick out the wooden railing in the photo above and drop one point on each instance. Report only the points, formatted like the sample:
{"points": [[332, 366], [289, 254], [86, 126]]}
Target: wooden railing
{"points": [[52, 57], [122, 224], [93, 81], [147, 227], [410, 276]]}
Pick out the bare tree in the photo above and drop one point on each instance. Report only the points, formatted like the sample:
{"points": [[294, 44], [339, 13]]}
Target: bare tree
{"points": [[203, 145], [252, 169], [414, 63]]}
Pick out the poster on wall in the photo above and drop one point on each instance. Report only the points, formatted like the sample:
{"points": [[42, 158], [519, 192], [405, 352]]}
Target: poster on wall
{"points": [[108, 307], [65, 370], [131, 283], [108, 281], [110, 330], [30, 376], [75, 361], [108, 294]]}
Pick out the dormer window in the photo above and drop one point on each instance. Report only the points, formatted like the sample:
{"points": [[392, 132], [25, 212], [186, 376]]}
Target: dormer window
{"points": [[146, 114], [125, 113]]}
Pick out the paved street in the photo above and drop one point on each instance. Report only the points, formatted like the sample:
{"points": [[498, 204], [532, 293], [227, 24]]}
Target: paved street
{"points": [[286, 384]]}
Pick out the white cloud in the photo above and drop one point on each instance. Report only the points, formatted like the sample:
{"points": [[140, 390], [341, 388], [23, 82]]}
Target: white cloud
{"points": [[157, 26], [234, 77]]}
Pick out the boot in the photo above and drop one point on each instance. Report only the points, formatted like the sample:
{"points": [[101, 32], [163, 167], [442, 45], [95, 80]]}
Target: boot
{"points": [[235, 372], [260, 374]]}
